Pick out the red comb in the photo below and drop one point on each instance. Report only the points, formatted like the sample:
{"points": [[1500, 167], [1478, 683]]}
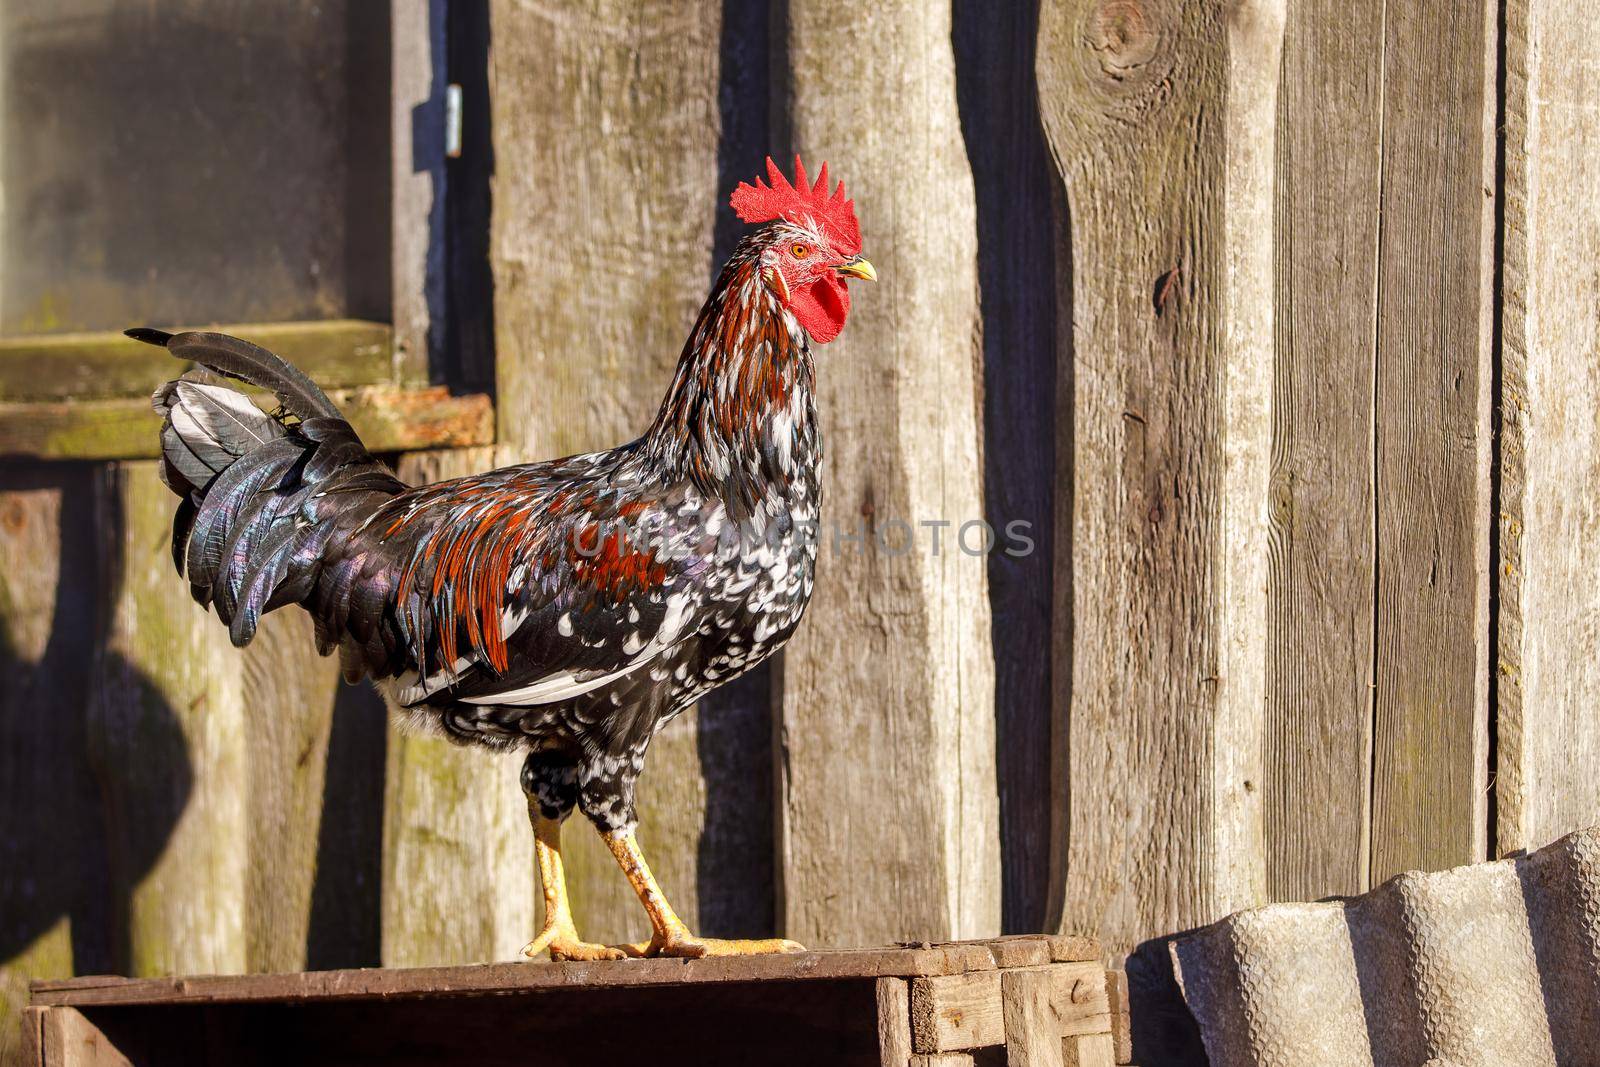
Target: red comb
{"points": [[799, 203]]}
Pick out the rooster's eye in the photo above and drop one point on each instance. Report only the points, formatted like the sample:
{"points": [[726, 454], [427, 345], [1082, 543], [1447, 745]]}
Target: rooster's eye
{"points": [[799, 251]]}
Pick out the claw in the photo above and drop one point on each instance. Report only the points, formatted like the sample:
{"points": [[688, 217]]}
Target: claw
{"points": [[566, 945], [688, 946]]}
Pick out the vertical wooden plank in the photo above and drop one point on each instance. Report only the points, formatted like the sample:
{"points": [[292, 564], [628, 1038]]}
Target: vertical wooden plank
{"points": [[30, 1052], [417, 176], [290, 694], [1161, 121], [1321, 578], [70, 1039], [171, 741], [51, 847], [1430, 742], [1033, 1035], [888, 805], [1549, 522], [1090, 1050], [596, 289], [458, 874], [894, 1022]]}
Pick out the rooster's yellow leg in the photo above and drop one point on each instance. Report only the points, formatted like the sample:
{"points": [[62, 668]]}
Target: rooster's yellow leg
{"points": [[559, 936], [670, 937]]}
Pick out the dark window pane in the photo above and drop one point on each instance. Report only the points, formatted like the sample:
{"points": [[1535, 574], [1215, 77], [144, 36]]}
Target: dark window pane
{"points": [[190, 162]]}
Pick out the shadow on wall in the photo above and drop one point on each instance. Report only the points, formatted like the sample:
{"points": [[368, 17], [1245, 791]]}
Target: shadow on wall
{"points": [[64, 860], [736, 864], [95, 767], [1016, 189]]}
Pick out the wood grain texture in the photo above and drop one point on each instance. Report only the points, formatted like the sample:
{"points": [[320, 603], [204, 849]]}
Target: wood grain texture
{"points": [[387, 419], [213, 758], [1028, 1010], [889, 811], [1161, 122], [417, 184], [290, 694], [458, 876], [894, 1022], [337, 353], [1090, 1050], [1548, 683], [52, 901], [606, 192], [382, 983], [1430, 739], [962, 1011], [1322, 566], [69, 1039], [171, 741]]}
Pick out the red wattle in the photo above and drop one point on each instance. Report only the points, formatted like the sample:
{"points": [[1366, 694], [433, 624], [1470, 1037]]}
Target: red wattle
{"points": [[821, 308]]}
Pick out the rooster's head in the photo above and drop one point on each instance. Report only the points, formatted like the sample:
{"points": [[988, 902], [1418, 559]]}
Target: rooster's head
{"points": [[813, 244]]}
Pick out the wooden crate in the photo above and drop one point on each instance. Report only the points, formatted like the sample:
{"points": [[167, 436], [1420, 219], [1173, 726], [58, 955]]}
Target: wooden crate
{"points": [[1030, 1001]]}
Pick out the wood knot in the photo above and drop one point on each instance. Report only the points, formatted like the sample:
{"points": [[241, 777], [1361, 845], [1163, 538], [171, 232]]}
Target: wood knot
{"points": [[1122, 34], [1081, 993]]}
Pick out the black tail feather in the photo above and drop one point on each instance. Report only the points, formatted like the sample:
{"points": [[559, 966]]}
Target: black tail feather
{"points": [[149, 336], [236, 358], [261, 494]]}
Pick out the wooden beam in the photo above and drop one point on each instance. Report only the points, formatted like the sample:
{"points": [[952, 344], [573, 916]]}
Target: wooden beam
{"points": [[894, 1022], [1161, 122], [1548, 669], [1435, 273], [965, 1011], [889, 812], [1318, 775], [388, 419], [70, 1039], [1090, 1050], [587, 340], [337, 354], [416, 185], [387, 983], [1033, 1037]]}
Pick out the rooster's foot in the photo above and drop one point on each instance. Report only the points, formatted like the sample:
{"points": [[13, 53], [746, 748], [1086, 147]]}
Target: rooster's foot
{"points": [[688, 946], [563, 943]]}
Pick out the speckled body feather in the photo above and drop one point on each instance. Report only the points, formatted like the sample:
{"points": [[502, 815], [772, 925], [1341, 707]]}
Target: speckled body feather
{"points": [[570, 607]]}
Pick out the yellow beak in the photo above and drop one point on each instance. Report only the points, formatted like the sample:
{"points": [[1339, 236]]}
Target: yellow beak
{"points": [[858, 268]]}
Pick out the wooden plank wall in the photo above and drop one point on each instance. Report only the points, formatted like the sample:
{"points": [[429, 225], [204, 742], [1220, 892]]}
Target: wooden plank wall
{"points": [[1249, 302]]}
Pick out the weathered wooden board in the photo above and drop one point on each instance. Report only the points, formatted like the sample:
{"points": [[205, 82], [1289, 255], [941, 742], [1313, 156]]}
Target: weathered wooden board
{"points": [[961, 1011], [888, 804], [1033, 1038], [337, 353], [938, 961], [290, 695], [171, 739], [894, 1022], [52, 917], [458, 875], [616, 106], [389, 419], [417, 180], [1430, 740], [1161, 121], [1321, 580], [1548, 670]]}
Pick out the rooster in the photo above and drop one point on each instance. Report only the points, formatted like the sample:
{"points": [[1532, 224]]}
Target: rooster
{"points": [[568, 608]]}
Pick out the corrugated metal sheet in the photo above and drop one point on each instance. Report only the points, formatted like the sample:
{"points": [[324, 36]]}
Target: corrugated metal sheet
{"points": [[1496, 963]]}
